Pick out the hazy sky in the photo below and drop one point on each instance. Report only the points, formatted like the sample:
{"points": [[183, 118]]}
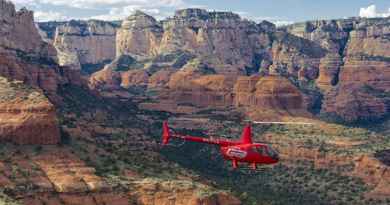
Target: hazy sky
{"points": [[277, 11]]}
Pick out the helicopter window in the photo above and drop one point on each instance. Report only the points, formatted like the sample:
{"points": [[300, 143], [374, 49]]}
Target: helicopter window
{"points": [[261, 150], [254, 149], [271, 152]]}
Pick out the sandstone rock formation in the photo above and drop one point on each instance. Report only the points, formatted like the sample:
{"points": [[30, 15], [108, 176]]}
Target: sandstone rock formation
{"points": [[29, 72], [22, 50], [26, 115], [294, 56], [125, 71], [313, 55], [25, 56], [259, 95], [198, 59], [329, 34], [68, 174], [111, 76], [329, 69], [225, 35], [139, 36], [33, 74], [203, 91], [374, 172], [160, 79], [134, 78], [356, 60], [269, 97], [85, 43], [19, 34], [370, 38], [106, 78], [57, 176], [272, 92], [363, 91]]}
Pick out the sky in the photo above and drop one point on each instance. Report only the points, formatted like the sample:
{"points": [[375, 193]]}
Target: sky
{"points": [[277, 11]]}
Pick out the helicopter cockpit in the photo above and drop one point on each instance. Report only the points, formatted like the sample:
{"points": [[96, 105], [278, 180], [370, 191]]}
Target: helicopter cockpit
{"points": [[267, 151]]}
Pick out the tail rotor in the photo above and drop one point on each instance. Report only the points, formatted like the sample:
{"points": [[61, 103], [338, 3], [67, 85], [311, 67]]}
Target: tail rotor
{"points": [[166, 134]]}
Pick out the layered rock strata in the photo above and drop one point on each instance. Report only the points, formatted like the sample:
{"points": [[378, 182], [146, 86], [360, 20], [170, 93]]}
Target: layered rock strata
{"points": [[313, 55], [26, 115], [225, 35], [139, 36], [57, 176], [30, 78], [254, 93], [19, 34], [25, 56], [85, 43]]}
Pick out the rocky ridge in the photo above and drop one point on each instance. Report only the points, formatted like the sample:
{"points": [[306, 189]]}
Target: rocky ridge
{"points": [[25, 56], [29, 71], [62, 178], [19, 33], [191, 30], [138, 36], [313, 55]]}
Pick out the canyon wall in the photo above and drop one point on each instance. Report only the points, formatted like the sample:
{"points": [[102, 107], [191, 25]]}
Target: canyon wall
{"points": [[316, 56], [353, 76], [139, 36], [30, 77], [221, 37], [85, 43], [26, 57], [19, 34]]}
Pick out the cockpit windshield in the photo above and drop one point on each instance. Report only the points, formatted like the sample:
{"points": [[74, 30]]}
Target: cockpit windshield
{"points": [[268, 151], [261, 150]]}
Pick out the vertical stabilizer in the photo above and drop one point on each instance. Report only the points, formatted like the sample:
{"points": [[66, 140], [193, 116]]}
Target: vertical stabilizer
{"points": [[246, 136], [166, 134]]}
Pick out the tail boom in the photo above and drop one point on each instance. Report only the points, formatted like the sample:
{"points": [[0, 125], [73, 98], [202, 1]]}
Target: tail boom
{"points": [[166, 136], [206, 140]]}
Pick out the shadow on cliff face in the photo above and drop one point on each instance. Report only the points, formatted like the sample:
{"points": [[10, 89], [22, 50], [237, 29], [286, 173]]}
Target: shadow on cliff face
{"points": [[383, 156]]}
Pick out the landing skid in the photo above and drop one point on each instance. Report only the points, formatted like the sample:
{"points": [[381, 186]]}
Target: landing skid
{"points": [[249, 170], [176, 144]]}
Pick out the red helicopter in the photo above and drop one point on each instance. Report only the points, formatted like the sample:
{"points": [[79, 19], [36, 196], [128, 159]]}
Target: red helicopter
{"points": [[243, 150]]}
